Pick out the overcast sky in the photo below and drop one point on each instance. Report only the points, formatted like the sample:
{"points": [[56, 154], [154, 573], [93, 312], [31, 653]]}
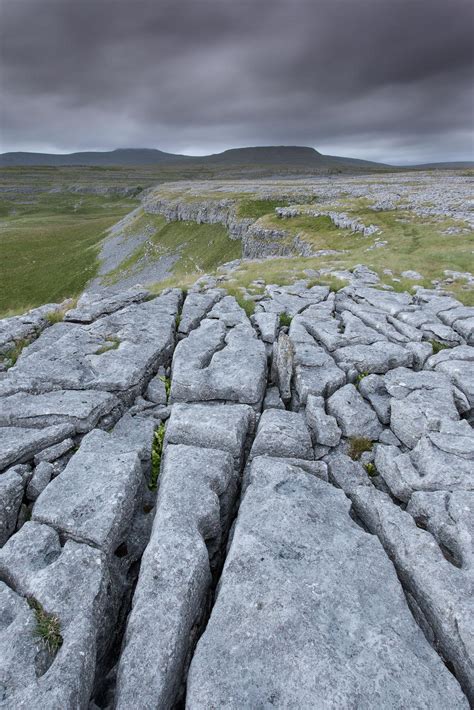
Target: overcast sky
{"points": [[385, 80]]}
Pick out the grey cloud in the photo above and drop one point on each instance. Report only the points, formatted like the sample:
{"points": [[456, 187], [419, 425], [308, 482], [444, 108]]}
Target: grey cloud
{"points": [[382, 78]]}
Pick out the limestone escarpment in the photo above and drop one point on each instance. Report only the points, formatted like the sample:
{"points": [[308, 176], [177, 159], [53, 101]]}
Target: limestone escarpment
{"points": [[310, 540]]}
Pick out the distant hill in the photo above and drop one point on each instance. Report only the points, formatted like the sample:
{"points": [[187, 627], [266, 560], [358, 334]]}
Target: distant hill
{"points": [[278, 156], [122, 156]]}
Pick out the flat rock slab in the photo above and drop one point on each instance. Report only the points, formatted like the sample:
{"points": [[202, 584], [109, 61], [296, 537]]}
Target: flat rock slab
{"points": [[224, 427], [115, 353], [377, 358], [175, 575], [292, 626], [90, 306], [94, 498], [195, 307], [82, 410], [282, 433], [355, 417], [18, 444], [212, 364]]}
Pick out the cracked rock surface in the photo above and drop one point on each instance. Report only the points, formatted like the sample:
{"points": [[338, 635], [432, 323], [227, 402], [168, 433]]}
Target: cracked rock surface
{"points": [[204, 509]]}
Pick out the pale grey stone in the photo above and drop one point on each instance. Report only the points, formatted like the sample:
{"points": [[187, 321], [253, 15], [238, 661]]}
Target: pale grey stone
{"points": [[94, 498], [267, 325], [458, 365], [41, 477], [224, 427], [54, 452], [116, 353], [451, 316], [418, 399], [345, 473], [420, 352], [441, 460], [135, 434], [441, 333], [212, 365], [373, 389], [380, 357], [272, 399], [282, 434], [156, 390], [195, 307], [18, 445], [465, 328], [443, 592], [354, 416], [412, 275], [81, 409], [228, 311], [282, 365], [315, 372], [91, 306], [299, 571], [291, 300], [323, 426], [69, 582], [175, 576], [449, 517], [12, 486]]}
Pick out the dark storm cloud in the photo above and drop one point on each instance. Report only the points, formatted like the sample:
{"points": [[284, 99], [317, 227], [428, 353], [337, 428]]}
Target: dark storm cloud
{"points": [[386, 79]]}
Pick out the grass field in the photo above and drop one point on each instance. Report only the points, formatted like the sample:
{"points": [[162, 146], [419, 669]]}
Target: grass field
{"points": [[49, 245]]}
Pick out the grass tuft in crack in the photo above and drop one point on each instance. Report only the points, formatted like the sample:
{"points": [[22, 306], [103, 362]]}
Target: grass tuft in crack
{"points": [[156, 453], [358, 445], [167, 383], [285, 320], [10, 358], [48, 626], [111, 343]]}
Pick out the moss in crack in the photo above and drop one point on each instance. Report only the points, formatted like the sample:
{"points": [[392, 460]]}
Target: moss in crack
{"points": [[437, 346], [111, 343], [371, 469], [361, 376], [48, 626], [156, 453], [178, 320], [358, 445]]}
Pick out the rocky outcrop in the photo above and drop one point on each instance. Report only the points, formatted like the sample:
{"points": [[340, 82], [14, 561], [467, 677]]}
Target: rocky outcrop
{"points": [[198, 509]]}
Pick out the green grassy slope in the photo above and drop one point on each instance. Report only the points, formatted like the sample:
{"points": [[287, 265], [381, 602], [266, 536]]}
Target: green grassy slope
{"points": [[48, 249]]}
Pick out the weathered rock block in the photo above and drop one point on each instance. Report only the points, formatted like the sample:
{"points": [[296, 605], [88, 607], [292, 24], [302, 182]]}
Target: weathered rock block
{"points": [[291, 612]]}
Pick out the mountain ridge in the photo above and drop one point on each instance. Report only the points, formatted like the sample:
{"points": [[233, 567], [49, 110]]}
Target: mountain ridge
{"points": [[284, 155]]}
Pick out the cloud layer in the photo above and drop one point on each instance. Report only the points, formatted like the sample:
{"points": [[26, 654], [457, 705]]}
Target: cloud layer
{"points": [[381, 79]]}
